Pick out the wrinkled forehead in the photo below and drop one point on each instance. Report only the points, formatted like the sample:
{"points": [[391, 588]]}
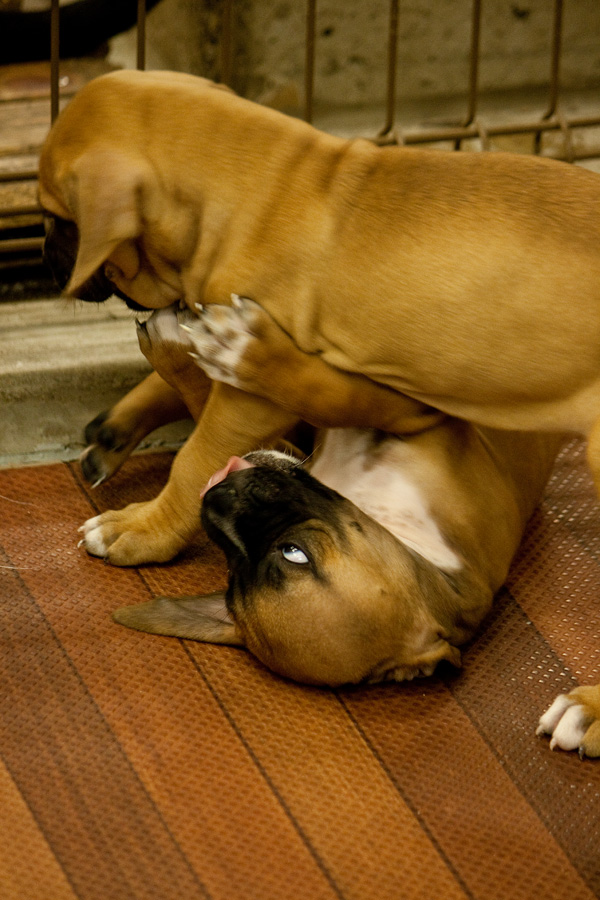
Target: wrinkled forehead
{"points": [[324, 630], [315, 639]]}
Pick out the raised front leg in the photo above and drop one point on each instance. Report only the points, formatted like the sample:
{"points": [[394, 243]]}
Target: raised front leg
{"points": [[167, 347], [113, 435], [243, 346]]}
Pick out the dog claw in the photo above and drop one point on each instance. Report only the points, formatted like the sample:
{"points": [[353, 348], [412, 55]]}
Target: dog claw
{"points": [[199, 307]]}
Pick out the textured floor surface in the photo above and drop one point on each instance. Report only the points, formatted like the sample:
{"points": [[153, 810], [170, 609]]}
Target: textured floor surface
{"points": [[142, 767]]}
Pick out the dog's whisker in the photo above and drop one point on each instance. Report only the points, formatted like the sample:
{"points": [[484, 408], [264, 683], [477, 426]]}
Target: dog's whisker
{"points": [[308, 455]]}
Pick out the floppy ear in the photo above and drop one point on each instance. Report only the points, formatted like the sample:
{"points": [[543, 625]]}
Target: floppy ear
{"points": [[440, 650], [203, 618], [108, 191], [424, 662]]}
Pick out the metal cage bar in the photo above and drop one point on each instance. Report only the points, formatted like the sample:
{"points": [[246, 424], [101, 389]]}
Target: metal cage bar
{"points": [[141, 35], [474, 63], [227, 48], [309, 59], [54, 59], [388, 133]]}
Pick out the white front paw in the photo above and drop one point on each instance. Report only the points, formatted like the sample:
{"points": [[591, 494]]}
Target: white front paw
{"points": [[92, 539], [567, 722], [220, 336]]}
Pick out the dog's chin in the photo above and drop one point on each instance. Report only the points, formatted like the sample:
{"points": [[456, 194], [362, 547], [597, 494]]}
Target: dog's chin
{"points": [[131, 304], [98, 289]]}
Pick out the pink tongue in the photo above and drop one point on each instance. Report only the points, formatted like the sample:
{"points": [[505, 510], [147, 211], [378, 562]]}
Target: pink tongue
{"points": [[235, 464]]}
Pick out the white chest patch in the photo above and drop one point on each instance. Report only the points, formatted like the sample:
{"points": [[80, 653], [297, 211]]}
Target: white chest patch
{"points": [[372, 476]]}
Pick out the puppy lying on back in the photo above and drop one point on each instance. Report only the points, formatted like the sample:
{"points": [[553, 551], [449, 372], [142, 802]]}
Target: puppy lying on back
{"points": [[376, 559], [467, 282]]}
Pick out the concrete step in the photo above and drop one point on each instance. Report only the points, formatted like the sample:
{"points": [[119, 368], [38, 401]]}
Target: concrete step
{"points": [[61, 363]]}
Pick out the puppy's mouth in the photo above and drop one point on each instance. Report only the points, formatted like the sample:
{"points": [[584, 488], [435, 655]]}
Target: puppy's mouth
{"points": [[235, 464], [273, 459]]}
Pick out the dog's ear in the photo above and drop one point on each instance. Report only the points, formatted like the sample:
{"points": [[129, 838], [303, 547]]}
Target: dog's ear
{"points": [[109, 192], [202, 618], [425, 661], [438, 650]]}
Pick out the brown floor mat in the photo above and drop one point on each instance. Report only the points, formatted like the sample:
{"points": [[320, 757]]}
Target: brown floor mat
{"points": [[134, 766]]}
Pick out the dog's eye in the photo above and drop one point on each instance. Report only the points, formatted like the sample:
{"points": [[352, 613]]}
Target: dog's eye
{"points": [[294, 554]]}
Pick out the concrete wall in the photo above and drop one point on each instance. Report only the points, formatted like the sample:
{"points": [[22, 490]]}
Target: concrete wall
{"points": [[351, 46]]}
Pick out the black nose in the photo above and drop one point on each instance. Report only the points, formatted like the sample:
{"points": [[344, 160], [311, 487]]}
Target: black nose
{"points": [[221, 500]]}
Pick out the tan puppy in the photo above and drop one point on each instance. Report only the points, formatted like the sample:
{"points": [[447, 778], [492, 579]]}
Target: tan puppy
{"points": [[470, 282], [378, 570]]}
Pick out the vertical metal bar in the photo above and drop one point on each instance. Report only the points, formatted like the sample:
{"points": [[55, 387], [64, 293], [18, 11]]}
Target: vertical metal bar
{"points": [[390, 96], [474, 63], [554, 72], [555, 62], [309, 60], [54, 59], [227, 42], [141, 34]]}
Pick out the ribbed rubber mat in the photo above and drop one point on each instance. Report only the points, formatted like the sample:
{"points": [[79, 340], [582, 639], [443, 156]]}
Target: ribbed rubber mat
{"points": [[134, 766]]}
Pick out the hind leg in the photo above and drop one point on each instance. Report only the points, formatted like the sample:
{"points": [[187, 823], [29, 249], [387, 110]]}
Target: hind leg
{"points": [[177, 389], [114, 434]]}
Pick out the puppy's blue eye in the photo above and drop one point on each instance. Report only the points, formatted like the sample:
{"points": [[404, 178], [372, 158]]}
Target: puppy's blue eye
{"points": [[294, 554]]}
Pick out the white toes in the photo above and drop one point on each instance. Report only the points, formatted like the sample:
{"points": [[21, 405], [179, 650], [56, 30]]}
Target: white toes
{"points": [[570, 731], [550, 719], [92, 537], [566, 721], [89, 524]]}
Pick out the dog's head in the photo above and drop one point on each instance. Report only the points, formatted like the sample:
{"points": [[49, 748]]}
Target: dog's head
{"points": [[95, 201], [318, 591], [117, 222]]}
